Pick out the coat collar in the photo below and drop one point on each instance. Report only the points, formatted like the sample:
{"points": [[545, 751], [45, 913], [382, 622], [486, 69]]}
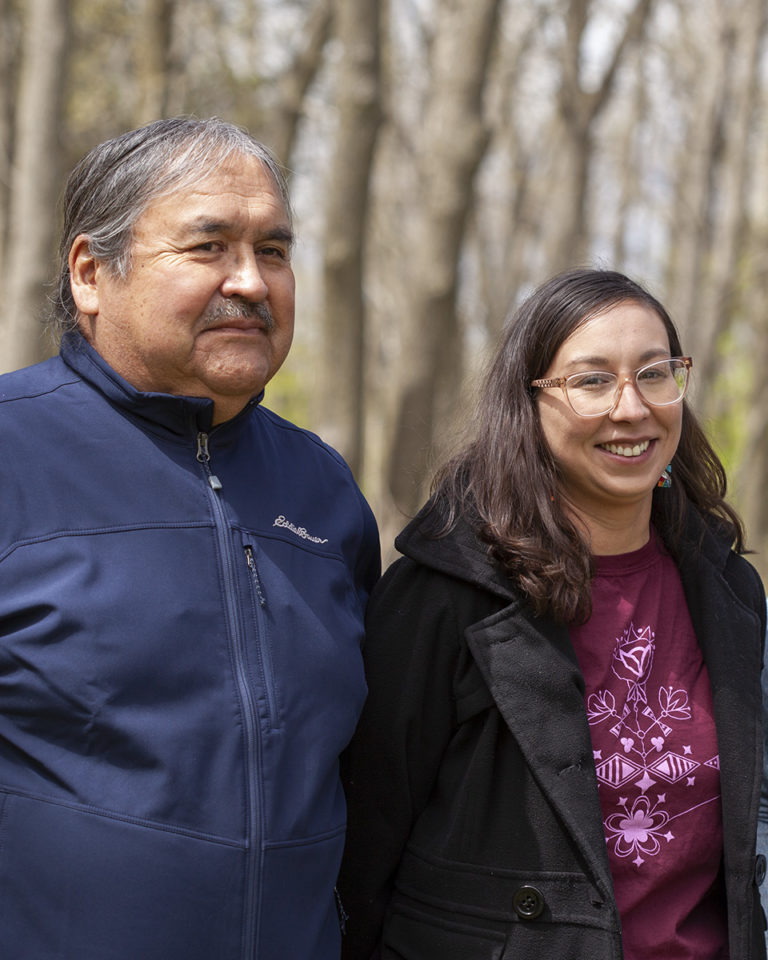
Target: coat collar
{"points": [[180, 415], [459, 554]]}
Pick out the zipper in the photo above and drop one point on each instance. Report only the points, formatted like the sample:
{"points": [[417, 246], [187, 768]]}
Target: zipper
{"points": [[248, 707], [205, 458], [263, 653]]}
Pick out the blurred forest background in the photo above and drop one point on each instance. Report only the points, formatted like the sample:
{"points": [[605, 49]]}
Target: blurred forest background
{"points": [[444, 157]]}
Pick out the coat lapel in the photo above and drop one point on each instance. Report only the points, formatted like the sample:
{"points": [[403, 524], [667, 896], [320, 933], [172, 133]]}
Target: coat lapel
{"points": [[531, 670], [728, 633]]}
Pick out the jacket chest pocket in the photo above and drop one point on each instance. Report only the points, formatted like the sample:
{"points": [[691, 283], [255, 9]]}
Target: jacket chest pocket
{"points": [[258, 653], [300, 641]]}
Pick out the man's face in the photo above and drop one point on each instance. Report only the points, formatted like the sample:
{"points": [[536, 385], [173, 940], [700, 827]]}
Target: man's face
{"points": [[207, 308]]}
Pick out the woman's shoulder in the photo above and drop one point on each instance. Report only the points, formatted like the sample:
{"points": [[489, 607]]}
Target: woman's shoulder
{"points": [[708, 544], [745, 582], [418, 590], [439, 548], [428, 597]]}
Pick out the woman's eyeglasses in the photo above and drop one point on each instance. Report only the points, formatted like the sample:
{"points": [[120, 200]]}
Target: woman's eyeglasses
{"points": [[597, 392]]}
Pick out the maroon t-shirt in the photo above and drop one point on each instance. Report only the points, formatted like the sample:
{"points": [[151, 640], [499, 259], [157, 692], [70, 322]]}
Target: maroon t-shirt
{"points": [[649, 706]]}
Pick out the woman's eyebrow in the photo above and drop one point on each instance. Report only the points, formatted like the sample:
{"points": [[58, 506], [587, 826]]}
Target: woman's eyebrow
{"points": [[599, 363]]}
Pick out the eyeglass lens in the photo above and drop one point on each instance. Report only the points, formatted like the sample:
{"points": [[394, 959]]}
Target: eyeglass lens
{"points": [[659, 383]]}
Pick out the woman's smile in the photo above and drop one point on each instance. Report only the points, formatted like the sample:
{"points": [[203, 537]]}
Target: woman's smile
{"points": [[611, 463]]}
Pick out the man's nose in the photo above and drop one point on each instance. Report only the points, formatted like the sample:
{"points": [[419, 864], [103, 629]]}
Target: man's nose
{"points": [[629, 403], [244, 278]]}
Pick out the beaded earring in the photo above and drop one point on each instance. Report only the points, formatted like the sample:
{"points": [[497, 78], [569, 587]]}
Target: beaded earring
{"points": [[665, 480]]}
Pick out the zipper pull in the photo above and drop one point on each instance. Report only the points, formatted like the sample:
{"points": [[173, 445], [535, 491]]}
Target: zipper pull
{"points": [[205, 458], [251, 561]]}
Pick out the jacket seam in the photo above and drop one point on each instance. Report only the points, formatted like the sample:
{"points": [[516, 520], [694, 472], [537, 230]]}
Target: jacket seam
{"points": [[105, 531], [305, 841], [107, 814], [40, 393]]}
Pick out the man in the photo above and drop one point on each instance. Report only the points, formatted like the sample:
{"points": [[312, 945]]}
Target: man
{"points": [[182, 582]]}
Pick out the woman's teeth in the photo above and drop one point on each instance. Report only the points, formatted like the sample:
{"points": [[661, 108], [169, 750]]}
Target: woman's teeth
{"points": [[622, 451]]}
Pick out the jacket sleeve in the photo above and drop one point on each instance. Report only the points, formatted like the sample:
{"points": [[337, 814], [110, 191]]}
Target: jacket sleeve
{"points": [[410, 652], [368, 564]]}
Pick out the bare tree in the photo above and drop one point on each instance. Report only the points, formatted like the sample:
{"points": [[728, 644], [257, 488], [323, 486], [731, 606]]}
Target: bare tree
{"points": [[7, 32], [283, 109], [34, 181], [152, 46], [693, 161], [747, 387], [718, 299], [579, 109], [453, 139], [341, 413], [505, 225], [749, 477]]}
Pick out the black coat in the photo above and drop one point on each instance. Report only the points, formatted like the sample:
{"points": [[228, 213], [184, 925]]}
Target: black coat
{"points": [[475, 829]]}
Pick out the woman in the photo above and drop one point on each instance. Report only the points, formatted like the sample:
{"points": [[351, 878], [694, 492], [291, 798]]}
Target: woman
{"points": [[560, 754]]}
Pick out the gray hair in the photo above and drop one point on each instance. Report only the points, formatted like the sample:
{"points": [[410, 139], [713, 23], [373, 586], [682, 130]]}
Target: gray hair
{"points": [[114, 183]]}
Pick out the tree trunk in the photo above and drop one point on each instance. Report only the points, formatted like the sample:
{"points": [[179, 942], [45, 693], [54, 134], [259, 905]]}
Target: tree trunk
{"points": [[284, 113], [152, 44], [503, 230], [6, 99], [738, 120], [341, 415], [750, 473], [694, 180], [579, 110], [454, 138], [34, 181], [747, 479]]}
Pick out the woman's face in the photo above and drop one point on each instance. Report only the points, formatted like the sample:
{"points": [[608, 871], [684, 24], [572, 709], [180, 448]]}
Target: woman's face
{"points": [[614, 460]]}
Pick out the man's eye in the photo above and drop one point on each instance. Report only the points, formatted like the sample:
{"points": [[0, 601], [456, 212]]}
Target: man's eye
{"points": [[210, 246], [273, 252]]}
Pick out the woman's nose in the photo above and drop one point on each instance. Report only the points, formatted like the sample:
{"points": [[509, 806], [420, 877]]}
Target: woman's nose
{"points": [[629, 403]]}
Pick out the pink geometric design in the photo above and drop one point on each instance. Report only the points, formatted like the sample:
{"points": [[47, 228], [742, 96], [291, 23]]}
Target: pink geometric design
{"points": [[637, 829], [640, 724], [646, 782], [617, 770], [672, 767]]}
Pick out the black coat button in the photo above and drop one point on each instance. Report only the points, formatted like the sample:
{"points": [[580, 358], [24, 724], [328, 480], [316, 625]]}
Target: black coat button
{"points": [[759, 869], [528, 903]]}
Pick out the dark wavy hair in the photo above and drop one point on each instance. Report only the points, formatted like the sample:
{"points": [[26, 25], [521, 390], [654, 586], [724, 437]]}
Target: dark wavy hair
{"points": [[504, 480]]}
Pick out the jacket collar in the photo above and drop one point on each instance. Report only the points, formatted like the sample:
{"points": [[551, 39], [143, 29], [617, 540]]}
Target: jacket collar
{"points": [[461, 553], [180, 415]]}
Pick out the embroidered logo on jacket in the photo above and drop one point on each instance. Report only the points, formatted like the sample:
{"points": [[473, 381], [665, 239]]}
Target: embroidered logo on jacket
{"points": [[299, 531]]}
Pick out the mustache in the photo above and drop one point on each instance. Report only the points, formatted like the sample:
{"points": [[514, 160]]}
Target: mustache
{"points": [[232, 309]]}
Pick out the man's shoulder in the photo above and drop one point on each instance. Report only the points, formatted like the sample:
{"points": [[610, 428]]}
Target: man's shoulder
{"points": [[296, 437], [311, 488], [39, 380]]}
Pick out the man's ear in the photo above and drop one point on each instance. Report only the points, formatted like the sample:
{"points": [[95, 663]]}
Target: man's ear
{"points": [[83, 276]]}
